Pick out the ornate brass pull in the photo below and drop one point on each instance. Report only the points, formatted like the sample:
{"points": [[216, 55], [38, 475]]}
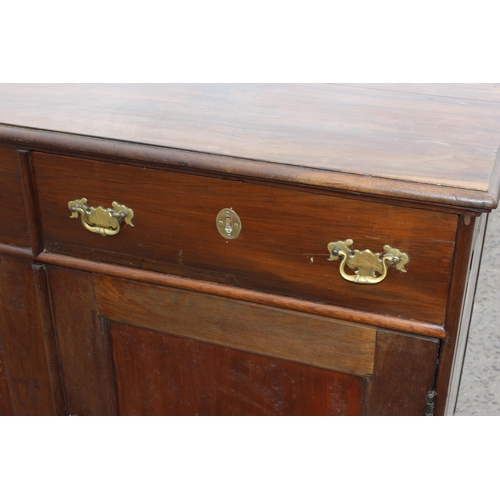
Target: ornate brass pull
{"points": [[370, 268], [103, 221]]}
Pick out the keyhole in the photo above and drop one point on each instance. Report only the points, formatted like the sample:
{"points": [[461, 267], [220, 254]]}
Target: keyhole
{"points": [[228, 227]]}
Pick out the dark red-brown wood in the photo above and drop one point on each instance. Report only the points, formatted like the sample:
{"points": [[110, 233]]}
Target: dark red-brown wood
{"points": [[283, 244], [206, 287], [13, 223], [5, 403], [130, 348], [434, 197], [22, 340], [462, 261], [34, 227], [405, 367], [160, 374], [432, 139], [49, 338], [289, 335], [80, 343], [91, 358], [379, 163]]}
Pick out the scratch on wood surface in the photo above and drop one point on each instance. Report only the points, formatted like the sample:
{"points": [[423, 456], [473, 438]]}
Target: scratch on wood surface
{"points": [[436, 142]]}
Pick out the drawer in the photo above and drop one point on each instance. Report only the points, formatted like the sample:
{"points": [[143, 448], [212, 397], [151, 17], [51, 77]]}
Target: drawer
{"points": [[282, 247], [13, 223]]}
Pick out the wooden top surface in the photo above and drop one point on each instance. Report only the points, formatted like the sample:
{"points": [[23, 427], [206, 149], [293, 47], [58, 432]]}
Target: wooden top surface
{"points": [[445, 135]]}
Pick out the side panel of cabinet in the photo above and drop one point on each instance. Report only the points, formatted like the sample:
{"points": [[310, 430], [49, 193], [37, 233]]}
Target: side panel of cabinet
{"points": [[22, 341]]}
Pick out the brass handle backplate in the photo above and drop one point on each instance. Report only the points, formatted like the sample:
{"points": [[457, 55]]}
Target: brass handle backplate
{"points": [[103, 221], [369, 268]]}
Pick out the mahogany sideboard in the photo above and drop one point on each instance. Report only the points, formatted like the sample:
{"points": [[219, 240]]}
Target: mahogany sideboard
{"points": [[241, 249]]}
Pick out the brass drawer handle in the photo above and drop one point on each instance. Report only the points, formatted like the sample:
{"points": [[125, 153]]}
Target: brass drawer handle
{"points": [[370, 268], [103, 221]]}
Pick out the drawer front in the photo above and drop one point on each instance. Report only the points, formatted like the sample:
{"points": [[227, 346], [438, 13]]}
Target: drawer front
{"points": [[13, 223], [282, 247]]}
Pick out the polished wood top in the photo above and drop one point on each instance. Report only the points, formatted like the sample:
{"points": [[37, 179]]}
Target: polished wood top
{"points": [[444, 135]]}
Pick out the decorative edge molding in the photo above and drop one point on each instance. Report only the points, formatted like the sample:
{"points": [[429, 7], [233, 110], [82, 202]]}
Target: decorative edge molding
{"points": [[102, 148], [329, 311]]}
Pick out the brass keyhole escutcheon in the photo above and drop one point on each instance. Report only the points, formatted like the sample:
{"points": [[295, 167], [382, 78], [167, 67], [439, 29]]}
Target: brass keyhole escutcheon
{"points": [[228, 224]]}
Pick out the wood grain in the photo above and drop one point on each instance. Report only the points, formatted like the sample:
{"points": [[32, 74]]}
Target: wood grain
{"points": [[23, 159], [21, 252], [13, 223], [405, 367], [454, 318], [22, 340], [49, 338], [304, 338], [431, 196], [283, 245], [80, 343], [5, 402], [161, 374], [463, 91], [453, 384], [195, 285], [409, 136]]}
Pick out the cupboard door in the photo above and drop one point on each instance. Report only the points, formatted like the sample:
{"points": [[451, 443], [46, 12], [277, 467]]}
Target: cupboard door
{"points": [[138, 349], [162, 374]]}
